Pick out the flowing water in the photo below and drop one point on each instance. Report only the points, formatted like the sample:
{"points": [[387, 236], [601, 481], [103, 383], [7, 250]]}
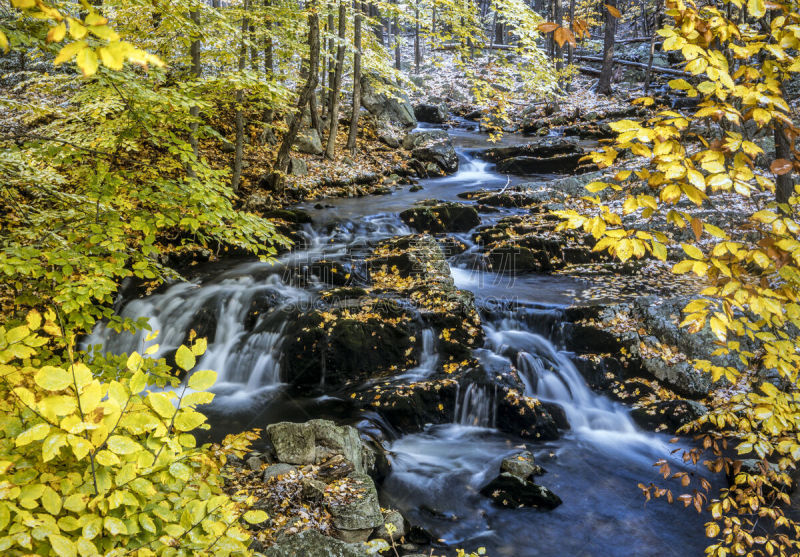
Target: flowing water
{"points": [[244, 308]]}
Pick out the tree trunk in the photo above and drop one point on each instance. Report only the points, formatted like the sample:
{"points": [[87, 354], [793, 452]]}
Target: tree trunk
{"points": [[268, 136], [239, 146], [571, 53], [397, 61], [604, 83], [282, 160], [331, 58], [194, 111], [333, 128], [351, 138], [417, 46]]}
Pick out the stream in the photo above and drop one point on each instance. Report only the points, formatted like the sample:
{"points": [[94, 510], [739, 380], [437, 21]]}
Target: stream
{"points": [[436, 474]]}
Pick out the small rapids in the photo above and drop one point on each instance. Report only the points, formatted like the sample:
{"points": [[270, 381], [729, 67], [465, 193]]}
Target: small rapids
{"points": [[244, 311]]}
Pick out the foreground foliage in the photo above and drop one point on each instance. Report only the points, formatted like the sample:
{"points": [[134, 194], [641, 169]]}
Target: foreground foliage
{"points": [[741, 57]]}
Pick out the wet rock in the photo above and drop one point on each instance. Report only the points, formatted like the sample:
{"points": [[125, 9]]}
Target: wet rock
{"points": [[516, 259], [293, 442], [670, 413], [521, 465], [434, 147], [331, 439], [334, 346], [385, 105], [389, 138], [294, 216], [398, 521], [538, 165], [309, 142], [525, 417], [444, 217], [360, 512], [431, 113], [277, 470], [311, 543], [510, 491], [545, 156]]}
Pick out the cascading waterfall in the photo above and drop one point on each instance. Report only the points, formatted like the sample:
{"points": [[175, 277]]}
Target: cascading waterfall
{"points": [[477, 406]]}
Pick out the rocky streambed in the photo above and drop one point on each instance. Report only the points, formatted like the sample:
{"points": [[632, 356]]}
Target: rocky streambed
{"points": [[443, 360]]}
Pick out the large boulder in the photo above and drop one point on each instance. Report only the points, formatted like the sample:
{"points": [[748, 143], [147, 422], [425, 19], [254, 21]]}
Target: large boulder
{"points": [[318, 441], [546, 156], [441, 217], [309, 142], [384, 102], [311, 543], [349, 341], [355, 515], [433, 147], [431, 113]]}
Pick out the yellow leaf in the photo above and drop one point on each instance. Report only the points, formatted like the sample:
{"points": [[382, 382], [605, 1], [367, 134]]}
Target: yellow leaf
{"points": [[4, 42], [659, 250], [692, 251], [184, 358], [115, 526], [757, 8], [595, 187], [161, 404], [62, 546], [87, 61], [51, 501], [52, 378], [120, 444], [68, 52], [56, 34], [187, 420], [255, 517], [202, 379]]}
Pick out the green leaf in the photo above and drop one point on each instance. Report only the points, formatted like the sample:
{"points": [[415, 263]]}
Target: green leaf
{"points": [[184, 358], [202, 379]]}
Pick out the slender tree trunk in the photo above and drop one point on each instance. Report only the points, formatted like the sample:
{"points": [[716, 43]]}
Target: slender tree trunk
{"points": [[194, 112], [571, 28], [331, 53], [498, 30], [397, 60], [559, 50], [282, 160], [604, 84], [268, 136], [417, 46], [239, 146], [333, 128], [649, 73], [351, 138]]}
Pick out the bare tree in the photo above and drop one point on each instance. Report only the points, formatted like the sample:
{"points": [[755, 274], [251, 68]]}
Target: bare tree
{"points": [[333, 128], [351, 138], [604, 83], [239, 99]]}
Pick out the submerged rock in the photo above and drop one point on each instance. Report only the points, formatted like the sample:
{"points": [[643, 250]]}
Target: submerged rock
{"points": [[443, 217], [510, 491]]}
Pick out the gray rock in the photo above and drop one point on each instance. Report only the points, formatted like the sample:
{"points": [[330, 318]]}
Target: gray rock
{"points": [[385, 105], [313, 489], [309, 142], [311, 543], [277, 470], [331, 439], [354, 536], [294, 443], [389, 139], [359, 513], [433, 146], [254, 463], [297, 167], [521, 465], [400, 526]]}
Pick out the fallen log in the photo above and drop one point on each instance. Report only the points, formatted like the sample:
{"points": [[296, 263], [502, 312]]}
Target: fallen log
{"points": [[659, 69]]}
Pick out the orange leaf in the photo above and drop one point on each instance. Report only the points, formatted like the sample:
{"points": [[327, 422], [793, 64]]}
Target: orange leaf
{"points": [[780, 167], [548, 27], [697, 228], [563, 35], [613, 11]]}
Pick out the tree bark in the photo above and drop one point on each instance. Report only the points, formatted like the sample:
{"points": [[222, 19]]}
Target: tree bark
{"points": [[417, 46], [268, 136], [194, 111], [397, 60], [604, 83], [282, 160], [239, 146], [351, 138], [333, 111]]}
